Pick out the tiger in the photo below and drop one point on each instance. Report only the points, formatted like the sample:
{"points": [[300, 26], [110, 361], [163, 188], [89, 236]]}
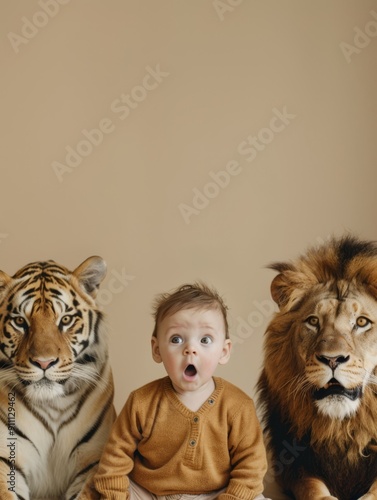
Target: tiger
{"points": [[318, 385], [56, 383]]}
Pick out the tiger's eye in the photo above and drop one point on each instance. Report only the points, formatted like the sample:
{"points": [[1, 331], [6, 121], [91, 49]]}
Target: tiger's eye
{"points": [[66, 320], [20, 323]]}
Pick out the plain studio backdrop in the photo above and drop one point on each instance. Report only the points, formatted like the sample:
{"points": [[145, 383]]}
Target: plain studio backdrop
{"points": [[182, 141]]}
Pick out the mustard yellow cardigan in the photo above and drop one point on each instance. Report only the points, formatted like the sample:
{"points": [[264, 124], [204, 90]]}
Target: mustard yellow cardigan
{"points": [[168, 449]]}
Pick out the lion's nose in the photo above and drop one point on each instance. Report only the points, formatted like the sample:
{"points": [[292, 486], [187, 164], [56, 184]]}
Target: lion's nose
{"points": [[333, 361], [44, 364]]}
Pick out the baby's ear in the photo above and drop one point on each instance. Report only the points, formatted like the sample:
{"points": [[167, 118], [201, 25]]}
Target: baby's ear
{"points": [[155, 350], [226, 352]]}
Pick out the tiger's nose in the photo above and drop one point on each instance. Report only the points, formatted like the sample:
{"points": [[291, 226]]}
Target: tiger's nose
{"points": [[44, 364]]}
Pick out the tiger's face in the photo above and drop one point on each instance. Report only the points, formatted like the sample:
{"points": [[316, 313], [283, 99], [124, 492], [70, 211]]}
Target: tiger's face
{"points": [[336, 341], [49, 326]]}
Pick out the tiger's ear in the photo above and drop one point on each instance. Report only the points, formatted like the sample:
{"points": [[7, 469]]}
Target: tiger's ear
{"points": [[5, 280], [288, 287], [90, 274]]}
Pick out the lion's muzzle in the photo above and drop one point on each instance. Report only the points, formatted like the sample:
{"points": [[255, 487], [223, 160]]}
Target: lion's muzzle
{"points": [[333, 387], [333, 361]]}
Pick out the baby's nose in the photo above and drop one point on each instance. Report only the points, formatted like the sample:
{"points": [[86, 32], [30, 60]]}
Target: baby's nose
{"points": [[190, 349]]}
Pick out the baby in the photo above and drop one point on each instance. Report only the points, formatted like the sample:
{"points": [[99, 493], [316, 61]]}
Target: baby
{"points": [[190, 433]]}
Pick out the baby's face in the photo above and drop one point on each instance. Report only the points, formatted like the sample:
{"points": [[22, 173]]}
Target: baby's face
{"points": [[191, 343]]}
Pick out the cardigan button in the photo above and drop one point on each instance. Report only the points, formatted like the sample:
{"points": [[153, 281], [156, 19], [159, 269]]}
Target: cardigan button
{"points": [[196, 419], [211, 401], [192, 442]]}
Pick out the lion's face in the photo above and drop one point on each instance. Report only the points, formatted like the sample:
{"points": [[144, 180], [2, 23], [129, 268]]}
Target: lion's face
{"points": [[318, 386], [321, 346], [337, 344]]}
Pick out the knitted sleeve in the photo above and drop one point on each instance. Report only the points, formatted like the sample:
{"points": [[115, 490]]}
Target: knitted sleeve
{"points": [[117, 461], [248, 455]]}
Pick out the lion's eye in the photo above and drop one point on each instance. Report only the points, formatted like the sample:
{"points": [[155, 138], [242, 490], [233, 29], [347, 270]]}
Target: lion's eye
{"points": [[66, 320], [312, 321], [20, 322], [362, 321]]}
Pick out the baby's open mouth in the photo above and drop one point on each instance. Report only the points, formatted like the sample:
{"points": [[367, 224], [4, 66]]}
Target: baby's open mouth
{"points": [[190, 370]]}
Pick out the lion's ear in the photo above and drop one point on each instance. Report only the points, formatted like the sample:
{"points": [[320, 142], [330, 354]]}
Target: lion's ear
{"points": [[364, 272], [371, 285], [288, 287]]}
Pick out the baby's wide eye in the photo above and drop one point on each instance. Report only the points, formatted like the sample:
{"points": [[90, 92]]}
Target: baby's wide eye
{"points": [[176, 339], [206, 340]]}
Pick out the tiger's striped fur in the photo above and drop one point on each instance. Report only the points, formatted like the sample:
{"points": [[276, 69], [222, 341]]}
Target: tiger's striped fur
{"points": [[56, 387]]}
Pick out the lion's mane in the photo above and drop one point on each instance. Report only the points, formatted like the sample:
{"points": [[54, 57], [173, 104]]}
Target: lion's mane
{"points": [[304, 441]]}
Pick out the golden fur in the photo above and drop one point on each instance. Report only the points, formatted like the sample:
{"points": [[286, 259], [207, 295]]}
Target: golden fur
{"points": [[318, 385]]}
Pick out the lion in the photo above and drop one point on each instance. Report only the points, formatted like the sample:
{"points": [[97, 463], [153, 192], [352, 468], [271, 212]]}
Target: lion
{"points": [[318, 385]]}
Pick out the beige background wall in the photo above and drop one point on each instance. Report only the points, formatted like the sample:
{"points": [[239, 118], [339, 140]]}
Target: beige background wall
{"points": [[182, 92]]}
